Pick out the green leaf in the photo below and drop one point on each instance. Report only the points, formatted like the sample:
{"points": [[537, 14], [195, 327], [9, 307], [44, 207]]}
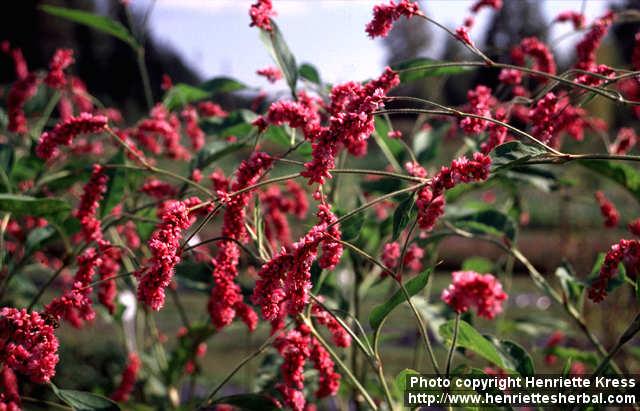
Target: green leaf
{"points": [[405, 213], [477, 264], [422, 70], [222, 84], [413, 287], [535, 176], [514, 356], [84, 401], [309, 72], [514, 153], [488, 222], [472, 340], [215, 151], [400, 382], [571, 286], [101, 23], [20, 205], [36, 237], [182, 94], [391, 145], [351, 227], [426, 143], [278, 136], [623, 174], [277, 47], [249, 402], [7, 157], [116, 185]]}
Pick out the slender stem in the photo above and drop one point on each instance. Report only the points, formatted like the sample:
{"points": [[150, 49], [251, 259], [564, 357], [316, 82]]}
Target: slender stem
{"points": [[244, 361], [453, 345], [222, 238], [458, 113], [342, 365]]}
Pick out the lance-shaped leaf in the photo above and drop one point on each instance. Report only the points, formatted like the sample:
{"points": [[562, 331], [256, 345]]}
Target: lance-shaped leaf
{"points": [[277, 47], [96, 21], [514, 153], [421, 67], [84, 401], [20, 205], [471, 339], [413, 287]]}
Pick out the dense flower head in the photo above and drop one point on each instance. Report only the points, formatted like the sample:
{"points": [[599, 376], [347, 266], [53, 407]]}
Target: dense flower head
{"points": [[164, 245], [542, 58], [384, 15], [210, 109], [272, 74], [56, 77], [64, 133], [261, 13], [28, 345], [413, 257], [479, 4], [480, 101], [9, 394], [226, 300], [625, 252], [158, 189], [625, 141], [635, 55], [470, 289], [21, 91], [634, 227], [543, 117], [286, 278], [127, 383], [497, 134], [608, 210], [587, 47], [554, 340], [576, 18], [166, 125], [328, 379], [193, 130], [340, 336], [391, 254], [462, 33], [93, 193]]}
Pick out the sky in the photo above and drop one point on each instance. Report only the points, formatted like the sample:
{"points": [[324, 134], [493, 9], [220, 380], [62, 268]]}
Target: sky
{"points": [[214, 36]]}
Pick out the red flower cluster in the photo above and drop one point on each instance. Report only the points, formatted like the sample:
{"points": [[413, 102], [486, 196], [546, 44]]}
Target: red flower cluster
{"points": [[626, 252], [209, 109], [587, 47], [165, 125], [469, 288], [277, 205], [193, 130], [351, 121], [127, 383], [543, 117], [296, 347], [261, 13], [9, 394], [340, 336], [384, 15], [478, 5], [480, 102], [286, 279], [625, 141], [576, 18], [22, 90], [431, 201], [164, 245], [226, 299], [62, 59], [28, 345], [542, 58], [391, 253], [89, 202], [272, 74], [158, 189], [608, 210], [64, 133]]}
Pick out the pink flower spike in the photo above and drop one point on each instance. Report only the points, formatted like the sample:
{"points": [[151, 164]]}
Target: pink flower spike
{"points": [[470, 289]]}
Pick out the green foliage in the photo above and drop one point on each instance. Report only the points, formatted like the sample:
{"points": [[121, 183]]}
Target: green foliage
{"points": [[85, 401], [413, 287], [279, 50], [20, 205], [100, 23], [623, 174]]}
